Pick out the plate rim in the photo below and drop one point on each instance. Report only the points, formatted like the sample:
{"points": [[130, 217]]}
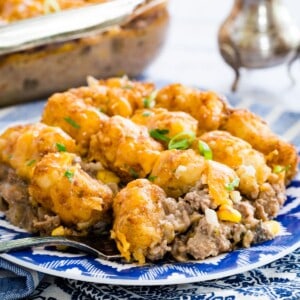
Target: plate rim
{"points": [[142, 282]]}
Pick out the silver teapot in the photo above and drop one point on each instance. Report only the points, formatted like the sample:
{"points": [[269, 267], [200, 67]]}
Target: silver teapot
{"points": [[258, 34]]}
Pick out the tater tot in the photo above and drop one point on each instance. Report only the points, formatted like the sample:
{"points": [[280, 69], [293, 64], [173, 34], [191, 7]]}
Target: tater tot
{"points": [[177, 171], [125, 147], [236, 153], [61, 186], [21, 147], [138, 93], [175, 122], [74, 116], [140, 228], [115, 96], [251, 128], [103, 99], [208, 108], [221, 181]]}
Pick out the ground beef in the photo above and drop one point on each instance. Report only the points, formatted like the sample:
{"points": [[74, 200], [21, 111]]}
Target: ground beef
{"points": [[204, 238], [14, 193], [17, 206], [212, 240], [247, 210], [179, 213], [92, 168], [269, 201], [158, 251], [45, 222], [199, 198], [262, 233], [13, 189]]}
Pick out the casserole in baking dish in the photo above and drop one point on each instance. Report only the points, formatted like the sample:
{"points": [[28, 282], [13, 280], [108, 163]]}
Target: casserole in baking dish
{"points": [[38, 72]]}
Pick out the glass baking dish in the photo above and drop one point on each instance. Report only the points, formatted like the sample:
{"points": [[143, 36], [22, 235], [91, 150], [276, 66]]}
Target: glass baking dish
{"points": [[123, 49]]}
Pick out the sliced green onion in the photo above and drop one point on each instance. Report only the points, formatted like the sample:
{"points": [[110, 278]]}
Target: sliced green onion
{"points": [[103, 110], [205, 150], [159, 134], [151, 178], [182, 140], [69, 174], [149, 101], [31, 163], [232, 185], [278, 169], [72, 122], [61, 147], [133, 173], [147, 114]]}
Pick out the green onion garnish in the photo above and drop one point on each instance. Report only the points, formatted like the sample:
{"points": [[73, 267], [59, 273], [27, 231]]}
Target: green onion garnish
{"points": [[69, 174], [133, 173], [151, 178], [232, 185], [159, 134], [61, 147], [103, 110], [278, 169], [31, 162], [72, 122], [147, 114], [182, 140], [205, 150], [149, 101]]}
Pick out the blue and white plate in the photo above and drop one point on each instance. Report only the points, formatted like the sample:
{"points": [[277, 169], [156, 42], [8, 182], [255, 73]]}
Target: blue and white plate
{"points": [[82, 267]]}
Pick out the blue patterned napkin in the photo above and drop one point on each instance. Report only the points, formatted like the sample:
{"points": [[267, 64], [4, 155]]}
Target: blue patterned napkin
{"points": [[17, 282]]}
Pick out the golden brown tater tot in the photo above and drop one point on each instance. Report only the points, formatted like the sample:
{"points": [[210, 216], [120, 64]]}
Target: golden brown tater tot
{"points": [[140, 226], [124, 147], [60, 185], [21, 147], [251, 128]]}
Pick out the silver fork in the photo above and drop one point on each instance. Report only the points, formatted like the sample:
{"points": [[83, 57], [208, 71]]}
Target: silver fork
{"points": [[23, 243]]}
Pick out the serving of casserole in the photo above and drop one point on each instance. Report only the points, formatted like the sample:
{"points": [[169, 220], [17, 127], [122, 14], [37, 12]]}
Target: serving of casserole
{"points": [[166, 171]]}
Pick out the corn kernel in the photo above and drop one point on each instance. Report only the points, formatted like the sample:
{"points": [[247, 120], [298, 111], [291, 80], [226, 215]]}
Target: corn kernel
{"points": [[228, 213], [107, 177], [273, 226], [58, 231]]}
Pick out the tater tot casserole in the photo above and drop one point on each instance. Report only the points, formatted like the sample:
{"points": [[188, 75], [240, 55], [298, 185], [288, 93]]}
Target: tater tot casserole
{"points": [[172, 171]]}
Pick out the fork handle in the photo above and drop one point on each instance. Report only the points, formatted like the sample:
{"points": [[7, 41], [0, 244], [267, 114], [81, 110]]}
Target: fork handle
{"points": [[23, 243]]}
